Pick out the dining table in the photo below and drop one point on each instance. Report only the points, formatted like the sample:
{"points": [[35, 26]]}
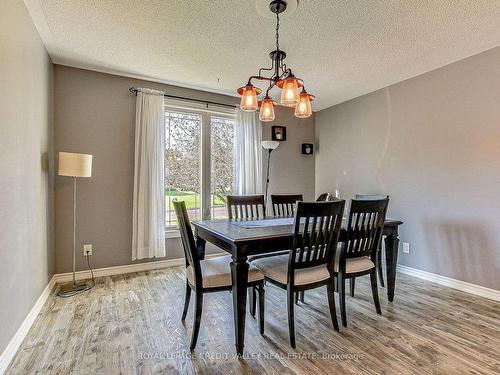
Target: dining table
{"points": [[243, 238]]}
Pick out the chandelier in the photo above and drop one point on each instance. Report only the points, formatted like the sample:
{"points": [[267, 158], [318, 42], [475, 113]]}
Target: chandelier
{"points": [[282, 77]]}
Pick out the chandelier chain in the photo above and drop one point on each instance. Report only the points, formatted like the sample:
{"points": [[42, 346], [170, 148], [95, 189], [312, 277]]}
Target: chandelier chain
{"points": [[277, 31]]}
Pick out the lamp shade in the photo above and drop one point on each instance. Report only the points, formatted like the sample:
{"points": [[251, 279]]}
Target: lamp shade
{"points": [[303, 108], [270, 145], [289, 92], [249, 98], [266, 113], [75, 165]]}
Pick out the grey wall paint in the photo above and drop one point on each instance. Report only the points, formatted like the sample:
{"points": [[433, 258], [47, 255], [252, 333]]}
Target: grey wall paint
{"points": [[291, 172], [26, 138], [433, 144], [95, 113]]}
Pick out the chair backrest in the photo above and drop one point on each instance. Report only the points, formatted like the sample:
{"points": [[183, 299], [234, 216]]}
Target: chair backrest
{"points": [[327, 197], [188, 243], [370, 197], [246, 206], [284, 205], [316, 230], [364, 229]]}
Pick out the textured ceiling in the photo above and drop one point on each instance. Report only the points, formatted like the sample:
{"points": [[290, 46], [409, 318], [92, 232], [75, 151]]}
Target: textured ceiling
{"points": [[341, 48]]}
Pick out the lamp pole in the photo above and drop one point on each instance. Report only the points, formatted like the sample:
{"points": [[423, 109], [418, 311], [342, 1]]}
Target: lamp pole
{"points": [[74, 230], [269, 146], [268, 166]]}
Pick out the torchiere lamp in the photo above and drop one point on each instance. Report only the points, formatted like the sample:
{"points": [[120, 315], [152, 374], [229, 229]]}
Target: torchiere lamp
{"points": [[270, 146], [74, 165]]}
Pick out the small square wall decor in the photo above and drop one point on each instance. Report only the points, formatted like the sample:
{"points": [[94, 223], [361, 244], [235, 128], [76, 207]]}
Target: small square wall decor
{"points": [[278, 133], [307, 148]]}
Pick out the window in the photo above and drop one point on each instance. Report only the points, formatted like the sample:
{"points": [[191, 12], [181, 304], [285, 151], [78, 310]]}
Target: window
{"points": [[198, 162], [222, 160], [182, 163]]}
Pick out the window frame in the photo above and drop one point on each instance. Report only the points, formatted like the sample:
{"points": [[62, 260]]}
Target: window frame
{"points": [[206, 114]]}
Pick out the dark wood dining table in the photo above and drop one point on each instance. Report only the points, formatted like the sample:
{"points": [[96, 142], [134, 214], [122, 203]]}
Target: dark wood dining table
{"points": [[244, 238]]}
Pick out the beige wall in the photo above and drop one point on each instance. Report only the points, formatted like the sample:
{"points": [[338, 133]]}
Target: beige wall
{"points": [[26, 135], [95, 113], [433, 144]]}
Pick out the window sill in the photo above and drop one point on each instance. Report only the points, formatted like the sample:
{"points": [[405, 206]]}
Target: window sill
{"points": [[172, 233]]}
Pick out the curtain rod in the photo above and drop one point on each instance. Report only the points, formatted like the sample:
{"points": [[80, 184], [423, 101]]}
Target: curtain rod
{"points": [[207, 102]]}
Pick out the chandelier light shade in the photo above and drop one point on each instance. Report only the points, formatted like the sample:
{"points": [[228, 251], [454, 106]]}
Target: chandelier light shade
{"points": [[281, 76], [290, 92], [249, 98], [266, 113], [303, 108]]}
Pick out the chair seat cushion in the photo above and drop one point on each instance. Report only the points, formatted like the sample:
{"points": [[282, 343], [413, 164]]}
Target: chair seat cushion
{"points": [[216, 272], [355, 265], [276, 268]]}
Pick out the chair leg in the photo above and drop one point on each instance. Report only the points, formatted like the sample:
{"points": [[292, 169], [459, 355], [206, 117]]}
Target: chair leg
{"points": [[291, 315], [373, 279], [380, 268], [252, 300], [351, 284], [197, 318], [301, 296], [341, 290], [261, 308], [186, 301], [331, 302]]}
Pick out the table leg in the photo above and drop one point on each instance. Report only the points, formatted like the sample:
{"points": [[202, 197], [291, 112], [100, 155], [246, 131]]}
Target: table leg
{"points": [[239, 276], [391, 261]]}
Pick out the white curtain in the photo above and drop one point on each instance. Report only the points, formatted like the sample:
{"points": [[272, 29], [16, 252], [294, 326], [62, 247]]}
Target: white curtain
{"points": [[247, 153], [148, 231]]}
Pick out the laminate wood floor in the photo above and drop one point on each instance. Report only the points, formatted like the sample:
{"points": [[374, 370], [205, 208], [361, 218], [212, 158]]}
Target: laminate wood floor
{"points": [[130, 324]]}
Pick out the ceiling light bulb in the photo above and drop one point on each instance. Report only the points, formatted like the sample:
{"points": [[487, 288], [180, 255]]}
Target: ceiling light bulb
{"points": [[289, 92], [303, 108], [249, 98], [266, 113]]}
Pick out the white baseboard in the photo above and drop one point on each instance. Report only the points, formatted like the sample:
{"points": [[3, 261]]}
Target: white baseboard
{"points": [[118, 270], [14, 344], [129, 268], [452, 283]]}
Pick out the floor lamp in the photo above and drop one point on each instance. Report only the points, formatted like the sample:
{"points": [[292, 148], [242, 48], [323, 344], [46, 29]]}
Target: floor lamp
{"points": [[269, 146], [74, 166]]}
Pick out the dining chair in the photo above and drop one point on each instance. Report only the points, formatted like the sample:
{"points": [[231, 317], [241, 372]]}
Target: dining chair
{"points": [[209, 275], [380, 268], [323, 197], [358, 251], [309, 264], [246, 206], [284, 205]]}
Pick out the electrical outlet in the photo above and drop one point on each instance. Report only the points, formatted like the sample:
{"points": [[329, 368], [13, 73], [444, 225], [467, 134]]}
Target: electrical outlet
{"points": [[406, 248], [87, 249]]}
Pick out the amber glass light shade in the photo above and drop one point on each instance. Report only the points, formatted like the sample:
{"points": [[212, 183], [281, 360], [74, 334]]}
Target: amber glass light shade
{"points": [[289, 92], [303, 108], [266, 113], [249, 99]]}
